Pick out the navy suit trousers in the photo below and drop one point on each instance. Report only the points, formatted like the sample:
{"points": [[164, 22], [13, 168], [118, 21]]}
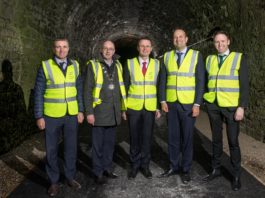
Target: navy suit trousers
{"points": [[141, 124], [180, 136], [54, 127], [103, 142]]}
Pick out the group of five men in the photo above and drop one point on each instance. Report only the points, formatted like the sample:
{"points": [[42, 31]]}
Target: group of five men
{"points": [[136, 92]]}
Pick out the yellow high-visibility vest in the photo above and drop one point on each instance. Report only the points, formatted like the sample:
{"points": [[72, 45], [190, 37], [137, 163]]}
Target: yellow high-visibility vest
{"points": [[142, 91], [181, 79], [98, 77], [60, 94], [223, 83]]}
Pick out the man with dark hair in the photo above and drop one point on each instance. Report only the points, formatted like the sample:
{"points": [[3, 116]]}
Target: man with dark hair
{"points": [[58, 107], [104, 98], [226, 98], [141, 79], [182, 86]]}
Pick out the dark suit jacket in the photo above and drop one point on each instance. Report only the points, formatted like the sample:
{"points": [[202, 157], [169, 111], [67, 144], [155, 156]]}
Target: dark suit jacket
{"points": [[199, 82], [108, 113]]}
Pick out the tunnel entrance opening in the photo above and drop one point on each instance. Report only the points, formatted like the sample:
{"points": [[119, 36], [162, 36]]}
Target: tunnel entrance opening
{"points": [[126, 48]]}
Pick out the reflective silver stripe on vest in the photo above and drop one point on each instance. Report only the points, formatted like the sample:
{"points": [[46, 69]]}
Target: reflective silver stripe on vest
{"points": [[53, 100], [75, 68], [49, 70], [174, 87], [181, 74], [172, 73], [209, 63], [57, 86], [119, 67], [143, 83], [185, 74], [167, 58], [121, 83], [96, 66], [223, 89], [193, 58], [186, 88], [70, 84], [98, 85], [156, 70], [223, 77], [95, 99], [132, 69], [142, 96], [234, 64]]}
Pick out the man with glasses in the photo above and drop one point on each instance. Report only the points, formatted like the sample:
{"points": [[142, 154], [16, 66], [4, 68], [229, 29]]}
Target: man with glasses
{"points": [[104, 98], [141, 78]]}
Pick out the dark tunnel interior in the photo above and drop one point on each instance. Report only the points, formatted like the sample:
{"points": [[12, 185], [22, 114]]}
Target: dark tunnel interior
{"points": [[126, 48]]}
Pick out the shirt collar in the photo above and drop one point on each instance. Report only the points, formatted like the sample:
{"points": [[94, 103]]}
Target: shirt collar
{"points": [[58, 61], [141, 61], [226, 53], [182, 51]]}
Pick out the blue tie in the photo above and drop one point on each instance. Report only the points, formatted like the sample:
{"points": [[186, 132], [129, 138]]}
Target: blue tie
{"points": [[179, 54], [62, 65]]}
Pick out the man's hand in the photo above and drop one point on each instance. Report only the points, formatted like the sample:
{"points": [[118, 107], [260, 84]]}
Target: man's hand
{"points": [[41, 123], [90, 119], [123, 115], [239, 114], [195, 111], [158, 114], [164, 106], [80, 117]]}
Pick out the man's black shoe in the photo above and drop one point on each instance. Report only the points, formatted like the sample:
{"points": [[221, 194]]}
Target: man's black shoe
{"points": [[236, 184], [100, 180], [214, 174], [168, 173], [185, 177], [147, 173], [132, 173], [110, 175]]}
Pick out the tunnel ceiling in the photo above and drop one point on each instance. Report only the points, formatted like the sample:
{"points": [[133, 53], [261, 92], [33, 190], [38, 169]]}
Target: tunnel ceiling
{"points": [[93, 21]]}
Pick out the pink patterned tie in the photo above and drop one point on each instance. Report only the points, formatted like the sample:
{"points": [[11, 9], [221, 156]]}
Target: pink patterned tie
{"points": [[144, 68]]}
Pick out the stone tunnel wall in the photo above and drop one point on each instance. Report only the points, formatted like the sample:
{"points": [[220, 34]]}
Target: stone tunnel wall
{"points": [[28, 26]]}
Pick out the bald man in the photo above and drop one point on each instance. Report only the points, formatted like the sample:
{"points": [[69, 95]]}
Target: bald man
{"points": [[104, 98]]}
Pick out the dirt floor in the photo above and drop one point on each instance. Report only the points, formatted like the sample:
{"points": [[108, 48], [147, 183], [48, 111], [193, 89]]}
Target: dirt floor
{"points": [[16, 164]]}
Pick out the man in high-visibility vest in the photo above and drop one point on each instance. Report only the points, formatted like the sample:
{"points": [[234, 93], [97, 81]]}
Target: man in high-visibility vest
{"points": [[226, 98], [182, 81], [58, 108], [141, 79], [104, 99]]}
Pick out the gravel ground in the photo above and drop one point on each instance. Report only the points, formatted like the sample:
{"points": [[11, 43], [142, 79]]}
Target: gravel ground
{"points": [[16, 164]]}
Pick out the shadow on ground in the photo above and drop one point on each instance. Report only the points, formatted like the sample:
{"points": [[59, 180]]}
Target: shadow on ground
{"points": [[35, 185]]}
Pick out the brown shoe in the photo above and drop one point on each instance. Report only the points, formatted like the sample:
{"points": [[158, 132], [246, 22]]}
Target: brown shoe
{"points": [[74, 184], [53, 190]]}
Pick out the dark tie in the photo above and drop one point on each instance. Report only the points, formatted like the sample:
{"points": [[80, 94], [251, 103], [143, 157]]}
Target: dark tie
{"points": [[62, 65], [221, 59], [179, 58], [144, 68]]}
